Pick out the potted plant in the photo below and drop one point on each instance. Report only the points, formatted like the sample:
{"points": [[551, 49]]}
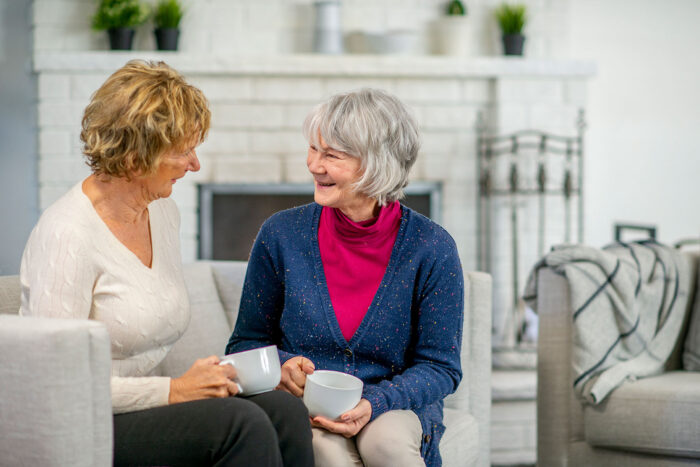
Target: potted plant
{"points": [[120, 19], [166, 18], [450, 31], [456, 8], [512, 19]]}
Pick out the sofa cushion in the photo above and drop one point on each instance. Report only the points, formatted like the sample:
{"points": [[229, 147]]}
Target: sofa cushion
{"points": [[208, 331], [691, 348], [10, 294], [658, 414], [460, 442], [229, 277]]}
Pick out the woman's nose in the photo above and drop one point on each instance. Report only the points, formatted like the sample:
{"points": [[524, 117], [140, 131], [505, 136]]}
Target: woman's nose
{"points": [[194, 162], [313, 162]]}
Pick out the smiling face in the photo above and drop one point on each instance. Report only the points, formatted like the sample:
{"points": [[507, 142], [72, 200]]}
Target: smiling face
{"points": [[173, 164], [334, 173]]}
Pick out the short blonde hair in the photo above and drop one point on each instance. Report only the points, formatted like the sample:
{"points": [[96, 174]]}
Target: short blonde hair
{"points": [[377, 128], [143, 110]]}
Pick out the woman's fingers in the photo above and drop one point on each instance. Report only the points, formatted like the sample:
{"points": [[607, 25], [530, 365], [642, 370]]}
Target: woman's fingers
{"points": [[292, 387], [307, 366], [210, 360], [294, 373], [231, 388], [229, 371], [339, 428], [298, 377]]}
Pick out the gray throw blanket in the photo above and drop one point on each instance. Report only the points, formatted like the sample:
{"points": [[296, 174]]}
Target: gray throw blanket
{"points": [[628, 303]]}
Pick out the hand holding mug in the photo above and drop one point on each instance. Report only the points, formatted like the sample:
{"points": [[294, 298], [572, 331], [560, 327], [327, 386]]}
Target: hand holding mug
{"points": [[350, 423], [294, 373], [204, 380]]}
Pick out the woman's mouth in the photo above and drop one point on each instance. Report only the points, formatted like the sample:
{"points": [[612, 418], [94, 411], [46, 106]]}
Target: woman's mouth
{"points": [[324, 185]]}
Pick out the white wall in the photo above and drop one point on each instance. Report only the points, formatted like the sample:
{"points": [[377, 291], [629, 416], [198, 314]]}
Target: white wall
{"points": [[644, 111]]}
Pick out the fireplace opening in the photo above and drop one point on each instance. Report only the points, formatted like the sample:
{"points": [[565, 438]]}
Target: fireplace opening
{"points": [[230, 215]]}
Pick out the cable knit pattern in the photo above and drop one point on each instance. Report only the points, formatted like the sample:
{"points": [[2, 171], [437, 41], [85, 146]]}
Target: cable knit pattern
{"points": [[407, 347], [74, 267]]}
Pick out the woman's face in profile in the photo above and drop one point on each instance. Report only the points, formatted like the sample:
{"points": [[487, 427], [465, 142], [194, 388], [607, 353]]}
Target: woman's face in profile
{"points": [[173, 165], [334, 173]]}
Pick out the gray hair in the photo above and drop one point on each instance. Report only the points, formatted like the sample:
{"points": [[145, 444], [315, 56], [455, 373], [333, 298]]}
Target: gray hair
{"points": [[374, 126]]}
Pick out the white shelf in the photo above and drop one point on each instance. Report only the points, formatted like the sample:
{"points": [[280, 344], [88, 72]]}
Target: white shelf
{"points": [[322, 65]]}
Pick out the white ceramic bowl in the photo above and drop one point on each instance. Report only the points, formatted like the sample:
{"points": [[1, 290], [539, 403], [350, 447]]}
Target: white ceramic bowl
{"points": [[258, 370], [331, 393]]}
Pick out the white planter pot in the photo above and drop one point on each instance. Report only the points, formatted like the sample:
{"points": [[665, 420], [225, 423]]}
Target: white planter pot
{"points": [[450, 36], [328, 35]]}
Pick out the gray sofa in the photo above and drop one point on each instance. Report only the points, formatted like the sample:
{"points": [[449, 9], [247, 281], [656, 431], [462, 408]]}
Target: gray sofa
{"points": [[652, 421], [54, 381]]}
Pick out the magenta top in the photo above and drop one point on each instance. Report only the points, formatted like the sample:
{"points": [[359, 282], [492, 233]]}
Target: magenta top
{"points": [[355, 256]]}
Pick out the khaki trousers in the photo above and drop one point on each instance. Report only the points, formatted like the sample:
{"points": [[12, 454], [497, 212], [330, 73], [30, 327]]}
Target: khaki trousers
{"points": [[392, 439]]}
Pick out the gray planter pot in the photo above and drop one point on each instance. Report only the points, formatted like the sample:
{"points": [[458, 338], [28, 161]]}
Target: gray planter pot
{"points": [[121, 38], [513, 44], [166, 38]]}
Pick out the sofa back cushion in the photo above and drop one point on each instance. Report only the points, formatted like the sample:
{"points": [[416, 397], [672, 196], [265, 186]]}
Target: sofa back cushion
{"points": [[229, 277], [208, 331], [10, 293], [691, 349]]}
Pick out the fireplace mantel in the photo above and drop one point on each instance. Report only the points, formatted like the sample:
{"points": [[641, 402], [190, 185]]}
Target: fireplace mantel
{"points": [[396, 66]]}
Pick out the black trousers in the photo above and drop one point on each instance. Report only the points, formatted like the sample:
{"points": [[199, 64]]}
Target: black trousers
{"points": [[270, 429]]}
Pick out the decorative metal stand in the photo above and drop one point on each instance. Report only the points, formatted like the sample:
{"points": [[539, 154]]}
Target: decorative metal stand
{"points": [[525, 172]]}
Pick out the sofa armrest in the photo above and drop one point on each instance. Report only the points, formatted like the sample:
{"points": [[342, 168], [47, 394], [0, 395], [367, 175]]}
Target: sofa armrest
{"points": [[473, 395], [559, 413], [55, 402]]}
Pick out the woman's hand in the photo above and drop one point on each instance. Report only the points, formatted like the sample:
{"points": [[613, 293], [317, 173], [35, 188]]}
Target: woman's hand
{"points": [[205, 379], [351, 422], [294, 373]]}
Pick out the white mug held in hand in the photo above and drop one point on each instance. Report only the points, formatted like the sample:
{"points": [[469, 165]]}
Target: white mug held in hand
{"points": [[257, 370], [331, 393]]}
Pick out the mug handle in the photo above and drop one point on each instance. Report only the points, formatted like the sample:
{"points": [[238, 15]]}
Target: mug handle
{"points": [[229, 362]]}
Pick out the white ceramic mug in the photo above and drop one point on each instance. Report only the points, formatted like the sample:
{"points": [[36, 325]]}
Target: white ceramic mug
{"points": [[331, 393], [258, 370]]}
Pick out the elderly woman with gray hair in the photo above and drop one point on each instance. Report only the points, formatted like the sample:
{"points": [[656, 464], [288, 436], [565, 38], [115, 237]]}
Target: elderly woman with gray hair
{"points": [[358, 283]]}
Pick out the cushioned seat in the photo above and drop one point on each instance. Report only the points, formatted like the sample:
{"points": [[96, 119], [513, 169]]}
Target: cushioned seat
{"points": [[660, 415], [462, 435]]}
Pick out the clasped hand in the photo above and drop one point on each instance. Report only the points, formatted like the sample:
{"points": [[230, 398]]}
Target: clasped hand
{"points": [[293, 380], [205, 379]]}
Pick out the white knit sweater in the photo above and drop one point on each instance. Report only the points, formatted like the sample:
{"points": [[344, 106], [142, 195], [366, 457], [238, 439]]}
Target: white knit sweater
{"points": [[74, 267]]}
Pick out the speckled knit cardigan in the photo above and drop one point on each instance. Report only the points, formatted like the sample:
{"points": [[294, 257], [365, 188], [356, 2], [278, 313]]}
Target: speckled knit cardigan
{"points": [[407, 348]]}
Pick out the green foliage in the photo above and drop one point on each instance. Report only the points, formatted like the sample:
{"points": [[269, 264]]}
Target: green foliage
{"points": [[112, 14], [456, 8], [511, 18], [168, 14]]}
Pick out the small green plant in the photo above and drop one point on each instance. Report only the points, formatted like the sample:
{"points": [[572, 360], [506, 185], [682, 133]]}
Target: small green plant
{"points": [[511, 18], [112, 14], [168, 14], [456, 8]]}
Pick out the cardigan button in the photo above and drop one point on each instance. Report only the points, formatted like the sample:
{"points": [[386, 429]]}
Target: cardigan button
{"points": [[348, 353]]}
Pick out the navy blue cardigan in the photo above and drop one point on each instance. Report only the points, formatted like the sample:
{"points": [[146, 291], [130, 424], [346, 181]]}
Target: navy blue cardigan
{"points": [[407, 348]]}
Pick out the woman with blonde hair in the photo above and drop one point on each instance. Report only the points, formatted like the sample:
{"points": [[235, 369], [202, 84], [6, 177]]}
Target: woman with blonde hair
{"points": [[356, 282], [108, 250]]}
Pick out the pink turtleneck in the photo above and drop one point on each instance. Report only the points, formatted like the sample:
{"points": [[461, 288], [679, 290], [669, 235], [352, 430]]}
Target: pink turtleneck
{"points": [[355, 256]]}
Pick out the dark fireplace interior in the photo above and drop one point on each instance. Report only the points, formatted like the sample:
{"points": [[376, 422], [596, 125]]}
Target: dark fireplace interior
{"points": [[231, 215]]}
